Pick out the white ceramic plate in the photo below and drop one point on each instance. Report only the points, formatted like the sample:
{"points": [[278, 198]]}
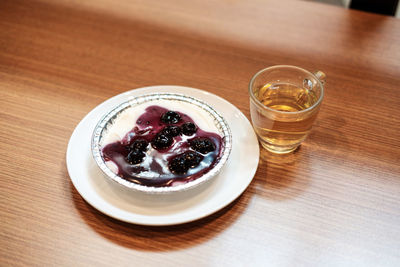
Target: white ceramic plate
{"points": [[147, 209]]}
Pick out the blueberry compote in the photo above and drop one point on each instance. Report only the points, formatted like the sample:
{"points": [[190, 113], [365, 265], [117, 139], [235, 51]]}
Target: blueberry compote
{"points": [[164, 148]]}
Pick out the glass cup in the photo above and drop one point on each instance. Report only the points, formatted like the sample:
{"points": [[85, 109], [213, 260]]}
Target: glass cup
{"points": [[284, 103]]}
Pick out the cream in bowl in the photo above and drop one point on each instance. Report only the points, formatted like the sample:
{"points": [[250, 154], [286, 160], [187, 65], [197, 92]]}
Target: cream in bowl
{"points": [[161, 143]]}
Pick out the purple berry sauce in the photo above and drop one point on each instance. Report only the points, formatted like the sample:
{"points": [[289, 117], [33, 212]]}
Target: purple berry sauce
{"points": [[154, 171]]}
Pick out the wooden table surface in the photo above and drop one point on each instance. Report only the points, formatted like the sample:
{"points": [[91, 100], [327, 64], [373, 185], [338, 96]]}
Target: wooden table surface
{"points": [[335, 202]]}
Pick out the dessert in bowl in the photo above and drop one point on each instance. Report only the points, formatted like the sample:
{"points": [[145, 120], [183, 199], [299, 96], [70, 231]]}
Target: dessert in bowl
{"points": [[161, 143]]}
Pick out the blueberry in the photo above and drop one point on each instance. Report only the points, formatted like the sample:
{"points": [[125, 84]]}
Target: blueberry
{"points": [[202, 145], [170, 117], [188, 128], [192, 158], [140, 144], [178, 165], [135, 156], [171, 131], [161, 141]]}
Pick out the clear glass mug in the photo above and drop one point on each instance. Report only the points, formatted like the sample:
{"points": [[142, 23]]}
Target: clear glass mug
{"points": [[284, 103]]}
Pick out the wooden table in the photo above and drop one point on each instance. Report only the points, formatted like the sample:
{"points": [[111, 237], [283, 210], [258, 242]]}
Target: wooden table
{"points": [[335, 202]]}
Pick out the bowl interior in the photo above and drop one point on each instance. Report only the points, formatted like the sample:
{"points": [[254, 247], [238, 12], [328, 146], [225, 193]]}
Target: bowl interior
{"points": [[108, 120]]}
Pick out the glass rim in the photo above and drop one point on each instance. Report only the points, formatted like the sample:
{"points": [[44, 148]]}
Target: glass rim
{"points": [[257, 102]]}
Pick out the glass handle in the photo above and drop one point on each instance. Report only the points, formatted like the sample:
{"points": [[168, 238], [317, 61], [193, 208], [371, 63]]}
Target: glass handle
{"points": [[321, 76]]}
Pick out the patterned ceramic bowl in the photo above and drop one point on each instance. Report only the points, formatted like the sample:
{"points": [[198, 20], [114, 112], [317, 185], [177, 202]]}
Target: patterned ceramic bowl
{"points": [[102, 129]]}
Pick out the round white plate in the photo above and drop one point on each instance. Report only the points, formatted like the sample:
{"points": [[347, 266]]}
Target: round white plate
{"points": [[135, 207]]}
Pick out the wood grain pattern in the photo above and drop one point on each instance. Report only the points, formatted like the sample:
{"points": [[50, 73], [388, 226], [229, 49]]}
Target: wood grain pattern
{"points": [[335, 202]]}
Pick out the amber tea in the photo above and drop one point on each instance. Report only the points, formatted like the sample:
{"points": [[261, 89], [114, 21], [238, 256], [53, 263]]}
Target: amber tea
{"points": [[283, 113]]}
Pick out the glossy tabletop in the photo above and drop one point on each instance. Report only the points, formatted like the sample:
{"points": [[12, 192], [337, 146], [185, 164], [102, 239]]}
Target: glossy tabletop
{"points": [[334, 202]]}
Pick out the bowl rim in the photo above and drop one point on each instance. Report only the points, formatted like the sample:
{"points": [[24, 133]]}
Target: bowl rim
{"points": [[109, 117]]}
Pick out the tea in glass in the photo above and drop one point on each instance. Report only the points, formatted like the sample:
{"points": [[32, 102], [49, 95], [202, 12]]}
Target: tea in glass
{"points": [[284, 103]]}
